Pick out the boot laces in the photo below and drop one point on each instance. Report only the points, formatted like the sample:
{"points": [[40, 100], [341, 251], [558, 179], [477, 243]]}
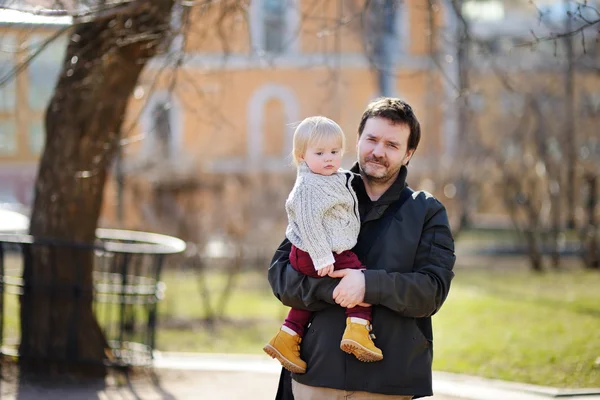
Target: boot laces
{"points": [[370, 329]]}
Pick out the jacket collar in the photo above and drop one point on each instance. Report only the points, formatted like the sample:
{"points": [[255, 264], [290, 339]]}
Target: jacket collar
{"points": [[303, 169]]}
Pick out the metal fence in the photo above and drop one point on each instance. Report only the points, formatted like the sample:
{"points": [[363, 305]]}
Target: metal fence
{"points": [[125, 291]]}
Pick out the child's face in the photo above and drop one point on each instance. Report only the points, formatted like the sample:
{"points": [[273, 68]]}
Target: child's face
{"points": [[324, 157]]}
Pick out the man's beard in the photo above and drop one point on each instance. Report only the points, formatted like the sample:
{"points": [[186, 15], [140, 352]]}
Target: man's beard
{"points": [[386, 177]]}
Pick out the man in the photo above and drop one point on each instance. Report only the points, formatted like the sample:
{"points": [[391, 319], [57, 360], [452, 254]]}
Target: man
{"points": [[407, 248]]}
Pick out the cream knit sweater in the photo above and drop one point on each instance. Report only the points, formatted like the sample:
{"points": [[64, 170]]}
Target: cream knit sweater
{"points": [[322, 214]]}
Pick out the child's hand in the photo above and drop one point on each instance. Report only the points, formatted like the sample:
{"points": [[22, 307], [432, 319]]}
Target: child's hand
{"points": [[325, 270]]}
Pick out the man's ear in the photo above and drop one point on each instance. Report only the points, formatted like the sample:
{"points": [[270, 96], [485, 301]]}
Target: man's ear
{"points": [[408, 156]]}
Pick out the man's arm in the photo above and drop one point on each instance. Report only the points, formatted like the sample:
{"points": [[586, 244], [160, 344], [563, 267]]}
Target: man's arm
{"points": [[422, 292], [296, 290]]}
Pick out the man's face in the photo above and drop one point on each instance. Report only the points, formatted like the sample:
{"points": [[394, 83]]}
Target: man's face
{"points": [[382, 149]]}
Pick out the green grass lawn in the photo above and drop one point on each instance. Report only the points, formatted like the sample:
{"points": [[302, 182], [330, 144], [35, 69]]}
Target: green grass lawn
{"points": [[251, 317], [518, 326], [504, 323]]}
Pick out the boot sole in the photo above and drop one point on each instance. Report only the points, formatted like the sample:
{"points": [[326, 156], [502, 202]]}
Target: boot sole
{"points": [[360, 352], [285, 363]]}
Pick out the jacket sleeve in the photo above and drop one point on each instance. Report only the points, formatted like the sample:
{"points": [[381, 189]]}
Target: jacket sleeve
{"points": [[422, 292], [296, 290]]}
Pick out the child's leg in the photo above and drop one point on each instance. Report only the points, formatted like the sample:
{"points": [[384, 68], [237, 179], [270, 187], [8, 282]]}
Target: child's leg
{"points": [[297, 320], [359, 312], [347, 260], [302, 262], [285, 345]]}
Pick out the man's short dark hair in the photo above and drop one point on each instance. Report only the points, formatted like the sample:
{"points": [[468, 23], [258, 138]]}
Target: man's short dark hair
{"points": [[397, 112]]}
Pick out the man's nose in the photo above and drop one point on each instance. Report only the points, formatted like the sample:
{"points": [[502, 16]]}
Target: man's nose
{"points": [[378, 150]]}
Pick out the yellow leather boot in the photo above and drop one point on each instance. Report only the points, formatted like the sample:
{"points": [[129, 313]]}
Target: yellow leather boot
{"points": [[357, 340], [286, 349]]}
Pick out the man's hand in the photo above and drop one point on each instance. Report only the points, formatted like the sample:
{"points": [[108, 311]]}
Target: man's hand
{"points": [[351, 289], [325, 270]]}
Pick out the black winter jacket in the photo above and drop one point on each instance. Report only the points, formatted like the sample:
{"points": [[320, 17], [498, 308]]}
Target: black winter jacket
{"points": [[409, 256]]}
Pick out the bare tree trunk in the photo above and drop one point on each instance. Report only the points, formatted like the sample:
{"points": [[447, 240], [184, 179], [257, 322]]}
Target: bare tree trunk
{"points": [[200, 267], [233, 274], [531, 230], [553, 173], [83, 123], [570, 134], [555, 201], [534, 252], [463, 44], [534, 242]]}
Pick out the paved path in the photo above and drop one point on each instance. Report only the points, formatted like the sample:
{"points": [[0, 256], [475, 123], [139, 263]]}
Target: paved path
{"points": [[171, 385], [180, 376]]}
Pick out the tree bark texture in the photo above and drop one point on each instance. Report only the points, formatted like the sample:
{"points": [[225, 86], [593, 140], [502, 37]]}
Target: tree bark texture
{"points": [[105, 56]]}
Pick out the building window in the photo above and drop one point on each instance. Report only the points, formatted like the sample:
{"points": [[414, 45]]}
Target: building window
{"points": [[7, 66], [8, 128], [37, 136], [7, 194], [8, 136], [483, 10], [512, 103], [512, 149], [550, 104], [476, 103], [386, 37], [590, 104], [163, 136], [270, 136], [8, 133], [274, 25], [44, 70], [161, 125]]}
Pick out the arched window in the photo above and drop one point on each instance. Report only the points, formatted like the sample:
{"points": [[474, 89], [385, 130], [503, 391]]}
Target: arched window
{"points": [[271, 112], [162, 126]]}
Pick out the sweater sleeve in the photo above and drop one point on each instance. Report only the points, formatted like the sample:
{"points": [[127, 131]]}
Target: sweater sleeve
{"points": [[422, 292], [310, 211]]}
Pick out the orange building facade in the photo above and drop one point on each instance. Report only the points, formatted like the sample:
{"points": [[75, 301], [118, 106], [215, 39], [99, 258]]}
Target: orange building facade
{"points": [[245, 78]]}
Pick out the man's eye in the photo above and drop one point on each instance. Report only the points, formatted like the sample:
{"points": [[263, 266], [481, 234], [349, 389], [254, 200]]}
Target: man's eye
{"points": [[393, 146], [371, 139]]}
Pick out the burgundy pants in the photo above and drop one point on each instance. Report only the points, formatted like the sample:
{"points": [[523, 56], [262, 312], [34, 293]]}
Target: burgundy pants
{"points": [[297, 320]]}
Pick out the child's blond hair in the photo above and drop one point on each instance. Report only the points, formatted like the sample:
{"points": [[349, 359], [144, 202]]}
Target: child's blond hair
{"points": [[313, 130]]}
